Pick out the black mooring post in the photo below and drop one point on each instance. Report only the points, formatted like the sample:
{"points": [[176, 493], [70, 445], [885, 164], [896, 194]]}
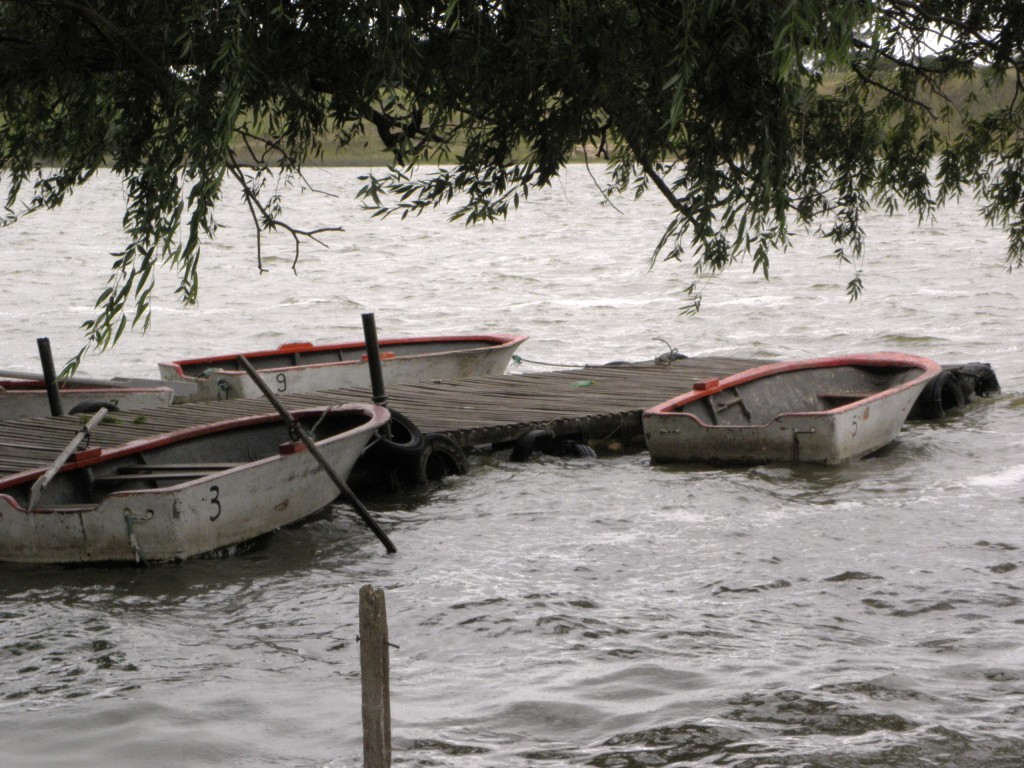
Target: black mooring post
{"points": [[50, 376], [373, 359]]}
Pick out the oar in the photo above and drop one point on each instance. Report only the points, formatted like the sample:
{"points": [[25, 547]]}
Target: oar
{"points": [[294, 426], [43, 480]]}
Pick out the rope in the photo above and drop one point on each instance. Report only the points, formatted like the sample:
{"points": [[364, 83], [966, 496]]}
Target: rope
{"points": [[520, 360], [665, 357], [672, 354], [87, 435], [320, 421]]}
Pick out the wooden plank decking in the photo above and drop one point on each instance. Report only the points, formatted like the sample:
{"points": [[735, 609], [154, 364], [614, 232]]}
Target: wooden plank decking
{"points": [[600, 402], [597, 402]]}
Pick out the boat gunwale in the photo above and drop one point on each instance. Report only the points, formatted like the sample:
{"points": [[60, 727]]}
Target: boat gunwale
{"points": [[496, 341], [928, 370], [28, 387], [378, 416]]}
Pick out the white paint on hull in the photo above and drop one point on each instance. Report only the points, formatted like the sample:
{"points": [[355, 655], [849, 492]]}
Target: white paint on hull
{"points": [[190, 518], [402, 362], [860, 426], [34, 403]]}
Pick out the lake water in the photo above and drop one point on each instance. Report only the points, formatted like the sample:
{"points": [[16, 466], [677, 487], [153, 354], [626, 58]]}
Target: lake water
{"points": [[560, 612]]}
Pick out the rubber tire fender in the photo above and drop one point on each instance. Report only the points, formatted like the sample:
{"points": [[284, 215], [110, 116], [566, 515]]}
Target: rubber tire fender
{"points": [[528, 442], [984, 378], [580, 450], [406, 441], [941, 394], [569, 448], [441, 457]]}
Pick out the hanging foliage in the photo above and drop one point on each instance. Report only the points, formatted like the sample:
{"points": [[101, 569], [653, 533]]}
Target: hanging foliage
{"points": [[754, 119]]}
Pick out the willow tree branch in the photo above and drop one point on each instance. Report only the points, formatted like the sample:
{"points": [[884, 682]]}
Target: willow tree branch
{"points": [[264, 219]]}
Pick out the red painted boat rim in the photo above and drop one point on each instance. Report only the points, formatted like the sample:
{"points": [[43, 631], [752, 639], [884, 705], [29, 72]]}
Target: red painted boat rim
{"points": [[487, 341], [378, 416], [17, 387], [929, 369]]}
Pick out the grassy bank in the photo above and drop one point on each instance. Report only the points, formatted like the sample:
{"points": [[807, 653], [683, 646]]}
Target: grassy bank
{"points": [[969, 97]]}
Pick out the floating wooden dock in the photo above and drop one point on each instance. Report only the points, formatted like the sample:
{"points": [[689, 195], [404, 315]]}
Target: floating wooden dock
{"points": [[596, 404]]}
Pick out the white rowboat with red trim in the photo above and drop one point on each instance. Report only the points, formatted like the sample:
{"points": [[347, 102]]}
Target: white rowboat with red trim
{"points": [[824, 410], [305, 367], [184, 493], [28, 398]]}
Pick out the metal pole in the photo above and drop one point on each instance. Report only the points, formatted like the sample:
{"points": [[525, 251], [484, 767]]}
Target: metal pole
{"points": [[314, 451], [373, 359], [50, 376]]}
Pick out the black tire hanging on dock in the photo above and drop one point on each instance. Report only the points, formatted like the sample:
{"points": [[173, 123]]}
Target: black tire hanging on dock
{"points": [[580, 450], [406, 442], [441, 457], [979, 378], [528, 442], [568, 448], [544, 440], [940, 395]]}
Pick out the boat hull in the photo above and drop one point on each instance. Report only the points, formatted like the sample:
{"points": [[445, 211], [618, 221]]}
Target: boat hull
{"points": [[298, 368], [29, 400], [211, 512], [825, 411]]}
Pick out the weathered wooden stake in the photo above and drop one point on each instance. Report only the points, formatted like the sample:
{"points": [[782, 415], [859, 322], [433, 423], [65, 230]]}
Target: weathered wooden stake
{"points": [[375, 669]]}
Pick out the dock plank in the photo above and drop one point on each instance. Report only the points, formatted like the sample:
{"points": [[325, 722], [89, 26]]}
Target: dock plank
{"points": [[593, 402], [472, 412]]}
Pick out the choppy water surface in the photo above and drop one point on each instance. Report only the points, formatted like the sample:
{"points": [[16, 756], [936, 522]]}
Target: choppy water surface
{"points": [[560, 612]]}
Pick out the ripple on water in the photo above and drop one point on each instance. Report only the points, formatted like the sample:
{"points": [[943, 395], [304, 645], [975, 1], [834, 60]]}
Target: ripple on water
{"points": [[843, 726]]}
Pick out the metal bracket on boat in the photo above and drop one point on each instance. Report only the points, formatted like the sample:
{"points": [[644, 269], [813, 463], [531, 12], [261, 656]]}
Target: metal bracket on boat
{"points": [[129, 519], [796, 441]]}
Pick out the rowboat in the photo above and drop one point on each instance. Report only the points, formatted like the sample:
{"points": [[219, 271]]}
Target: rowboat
{"points": [[305, 367], [826, 410], [184, 493], [26, 398]]}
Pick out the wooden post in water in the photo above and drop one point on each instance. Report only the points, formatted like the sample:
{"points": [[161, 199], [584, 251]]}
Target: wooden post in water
{"points": [[374, 665]]}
